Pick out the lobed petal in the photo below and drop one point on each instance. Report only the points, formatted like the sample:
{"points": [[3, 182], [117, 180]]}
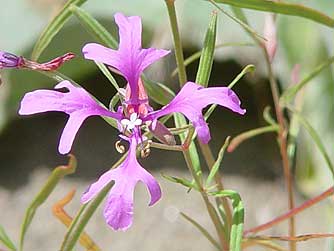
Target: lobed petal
{"points": [[76, 102], [118, 210], [191, 100], [130, 59], [102, 54]]}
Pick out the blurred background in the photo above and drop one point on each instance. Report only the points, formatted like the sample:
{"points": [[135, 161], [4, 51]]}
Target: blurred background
{"points": [[28, 145]]}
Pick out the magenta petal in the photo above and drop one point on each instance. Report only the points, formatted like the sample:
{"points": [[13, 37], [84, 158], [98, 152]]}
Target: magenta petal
{"points": [[129, 32], [193, 98], [76, 102], [130, 59], [119, 207], [102, 54], [118, 210], [151, 55]]}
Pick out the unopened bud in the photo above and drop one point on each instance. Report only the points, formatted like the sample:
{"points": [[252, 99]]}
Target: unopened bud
{"points": [[270, 34], [8, 60]]}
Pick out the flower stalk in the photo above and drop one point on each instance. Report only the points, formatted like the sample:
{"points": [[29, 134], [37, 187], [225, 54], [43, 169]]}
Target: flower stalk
{"points": [[177, 42]]}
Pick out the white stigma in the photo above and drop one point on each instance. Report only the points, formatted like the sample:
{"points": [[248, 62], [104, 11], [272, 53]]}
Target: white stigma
{"points": [[132, 122]]}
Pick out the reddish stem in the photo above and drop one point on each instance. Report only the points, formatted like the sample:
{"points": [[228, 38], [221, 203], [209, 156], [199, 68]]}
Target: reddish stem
{"points": [[292, 212]]}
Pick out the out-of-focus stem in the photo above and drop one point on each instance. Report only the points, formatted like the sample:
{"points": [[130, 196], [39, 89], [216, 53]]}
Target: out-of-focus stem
{"points": [[291, 213], [208, 156], [177, 42], [282, 136], [212, 212]]}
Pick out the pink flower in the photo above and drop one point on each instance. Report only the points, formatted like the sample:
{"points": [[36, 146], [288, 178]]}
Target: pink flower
{"points": [[131, 60]]}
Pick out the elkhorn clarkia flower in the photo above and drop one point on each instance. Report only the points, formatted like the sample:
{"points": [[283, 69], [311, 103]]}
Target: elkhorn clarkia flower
{"points": [[133, 116]]}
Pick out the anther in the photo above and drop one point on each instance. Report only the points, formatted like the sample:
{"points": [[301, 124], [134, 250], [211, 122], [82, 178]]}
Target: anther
{"points": [[146, 150], [119, 147]]}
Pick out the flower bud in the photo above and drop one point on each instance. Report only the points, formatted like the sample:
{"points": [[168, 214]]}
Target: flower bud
{"points": [[8, 60], [270, 35]]}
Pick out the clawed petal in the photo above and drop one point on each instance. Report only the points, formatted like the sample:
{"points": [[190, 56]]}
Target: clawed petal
{"points": [[119, 207], [76, 102], [130, 59], [193, 98]]}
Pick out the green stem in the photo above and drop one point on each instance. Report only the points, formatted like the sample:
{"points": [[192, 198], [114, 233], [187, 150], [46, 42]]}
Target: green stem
{"points": [[210, 161], [177, 42], [212, 212]]}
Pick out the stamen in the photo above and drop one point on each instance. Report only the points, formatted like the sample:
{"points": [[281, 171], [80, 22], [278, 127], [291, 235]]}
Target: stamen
{"points": [[119, 147], [146, 150]]}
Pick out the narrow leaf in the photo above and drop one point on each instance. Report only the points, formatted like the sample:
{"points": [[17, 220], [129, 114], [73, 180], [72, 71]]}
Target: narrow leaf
{"points": [[94, 27], [217, 163], [53, 28], [281, 8], [316, 138], [114, 100], [238, 217], [267, 116], [240, 22], [4, 238], [198, 54], [206, 60], [201, 229], [292, 91], [182, 181], [236, 141], [248, 69], [57, 174]]}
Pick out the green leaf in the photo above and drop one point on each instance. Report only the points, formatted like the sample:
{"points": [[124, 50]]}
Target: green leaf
{"points": [[236, 141], [158, 92], [267, 116], [114, 100], [198, 54], [53, 28], [107, 73], [181, 181], [94, 27], [83, 216], [240, 22], [248, 69], [238, 217], [56, 175], [292, 91], [202, 230], [206, 60], [316, 138], [217, 163], [4, 238], [282, 8]]}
